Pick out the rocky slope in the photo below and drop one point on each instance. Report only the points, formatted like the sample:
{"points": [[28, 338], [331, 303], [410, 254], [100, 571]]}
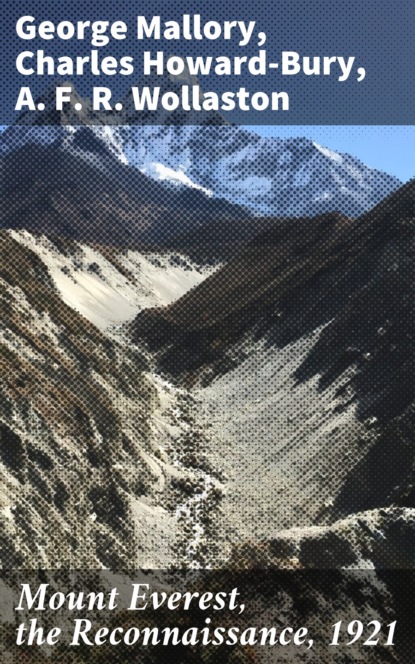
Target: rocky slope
{"points": [[257, 415], [110, 285], [262, 418], [83, 424], [303, 375], [303, 368], [355, 275], [301, 371]]}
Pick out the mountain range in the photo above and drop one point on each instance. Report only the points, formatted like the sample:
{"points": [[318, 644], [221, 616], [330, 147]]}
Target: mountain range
{"points": [[292, 177], [188, 383]]}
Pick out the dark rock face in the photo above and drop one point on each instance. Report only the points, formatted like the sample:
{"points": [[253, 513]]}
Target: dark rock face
{"points": [[354, 277], [385, 537], [64, 439], [362, 563], [352, 280], [77, 449], [64, 194]]}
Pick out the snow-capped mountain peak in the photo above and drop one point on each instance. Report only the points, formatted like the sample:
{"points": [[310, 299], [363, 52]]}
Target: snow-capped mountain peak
{"points": [[269, 176]]}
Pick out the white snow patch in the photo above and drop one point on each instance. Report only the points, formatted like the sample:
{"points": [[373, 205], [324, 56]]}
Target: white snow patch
{"points": [[161, 172], [335, 156]]}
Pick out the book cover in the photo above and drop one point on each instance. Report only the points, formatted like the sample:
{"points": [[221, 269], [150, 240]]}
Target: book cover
{"points": [[207, 344]]}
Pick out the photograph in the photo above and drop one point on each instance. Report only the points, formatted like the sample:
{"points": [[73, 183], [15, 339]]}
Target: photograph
{"points": [[207, 412]]}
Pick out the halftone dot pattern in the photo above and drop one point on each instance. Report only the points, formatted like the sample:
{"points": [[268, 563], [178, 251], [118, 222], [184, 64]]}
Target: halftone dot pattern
{"points": [[379, 38], [208, 363], [261, 419]]}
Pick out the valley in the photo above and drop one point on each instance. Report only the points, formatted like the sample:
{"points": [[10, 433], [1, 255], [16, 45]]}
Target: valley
{"points": [[189, 385]]}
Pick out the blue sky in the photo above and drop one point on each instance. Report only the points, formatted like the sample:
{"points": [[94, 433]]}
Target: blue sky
{"points": [[388, 148]]}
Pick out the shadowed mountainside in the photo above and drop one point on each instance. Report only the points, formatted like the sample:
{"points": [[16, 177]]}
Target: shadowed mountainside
{"points": [[75, 437], [63, 194], [344, 291], [354, 277]]}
